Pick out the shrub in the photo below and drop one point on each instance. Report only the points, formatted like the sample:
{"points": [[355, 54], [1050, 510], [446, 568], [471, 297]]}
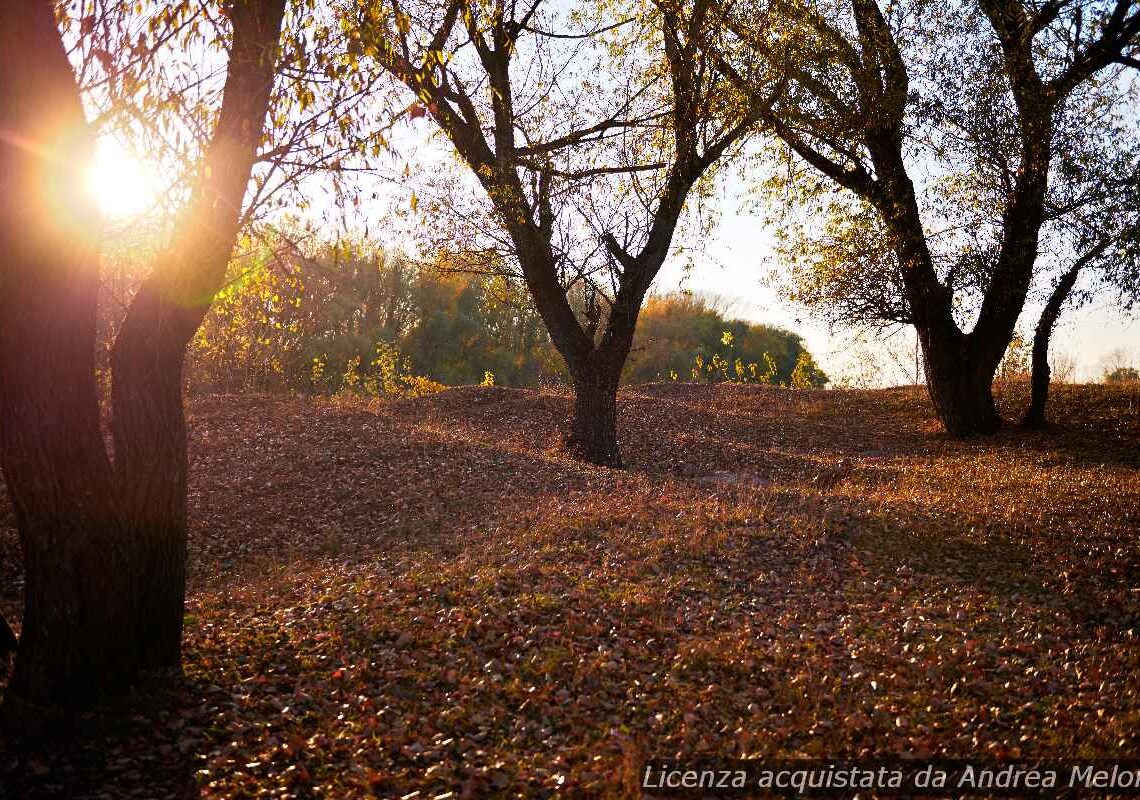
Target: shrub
{"points": [[1122, 375]]}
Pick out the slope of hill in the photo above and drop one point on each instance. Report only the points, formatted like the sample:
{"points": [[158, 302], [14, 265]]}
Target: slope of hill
{"points": [[426, 596]]}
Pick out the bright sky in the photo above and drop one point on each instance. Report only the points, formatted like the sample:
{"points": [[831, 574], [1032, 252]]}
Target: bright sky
{"points": [[736, 267], [124, 185], [739, 259]]}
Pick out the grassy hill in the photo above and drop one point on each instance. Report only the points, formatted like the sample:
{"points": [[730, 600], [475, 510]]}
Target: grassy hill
{"points": [[425, 595]]}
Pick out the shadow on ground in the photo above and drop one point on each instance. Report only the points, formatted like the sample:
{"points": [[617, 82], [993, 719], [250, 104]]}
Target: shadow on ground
{"points": [[426, 596]]}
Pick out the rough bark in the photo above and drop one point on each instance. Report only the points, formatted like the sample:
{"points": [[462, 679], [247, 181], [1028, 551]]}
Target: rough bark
{"points": [[960, 387], [1041, 373], [593, 433], [8, 641], [962, 393], [148, 421], [151, 469], [77, 639]]}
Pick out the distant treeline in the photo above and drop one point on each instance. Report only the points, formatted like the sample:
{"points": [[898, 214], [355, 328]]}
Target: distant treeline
{"points": [[358, 318]]}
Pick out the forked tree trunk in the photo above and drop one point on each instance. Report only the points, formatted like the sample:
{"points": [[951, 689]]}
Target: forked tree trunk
{"points": [[593, 429], [960, 367], [960, 385], [1041, 374], [958, 379], [77, 635], [593, 433]]}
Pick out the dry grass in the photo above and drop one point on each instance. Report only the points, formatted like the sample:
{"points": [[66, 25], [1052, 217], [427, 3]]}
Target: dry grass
{"points": [[426, 595]]}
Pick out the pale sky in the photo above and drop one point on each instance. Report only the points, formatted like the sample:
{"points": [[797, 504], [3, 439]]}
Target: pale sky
{"points": [[734, 264], [739, 259]]}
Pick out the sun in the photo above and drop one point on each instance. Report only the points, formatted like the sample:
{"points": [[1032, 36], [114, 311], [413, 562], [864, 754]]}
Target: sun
{"points": [[121, 184]]}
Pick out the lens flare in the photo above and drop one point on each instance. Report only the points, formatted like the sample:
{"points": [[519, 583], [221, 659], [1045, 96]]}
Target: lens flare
{"points": [[121, 184]]}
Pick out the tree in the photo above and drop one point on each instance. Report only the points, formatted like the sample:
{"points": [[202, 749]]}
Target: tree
{"points": [[873, 95], [585, 204], [77, 634], [104, 547], [148, 422], [336, 317], [1095, 209]]}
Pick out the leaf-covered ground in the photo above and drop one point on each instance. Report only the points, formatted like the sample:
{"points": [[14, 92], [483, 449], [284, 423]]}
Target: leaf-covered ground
{"points": [[425, 599]]}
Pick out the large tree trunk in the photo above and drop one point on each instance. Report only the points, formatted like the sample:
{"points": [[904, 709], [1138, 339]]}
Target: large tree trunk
{"points": [[593, 433], [148, 420], [960, 384], [77, 640], [151, 465], [593, 429], [1035, 415]]}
